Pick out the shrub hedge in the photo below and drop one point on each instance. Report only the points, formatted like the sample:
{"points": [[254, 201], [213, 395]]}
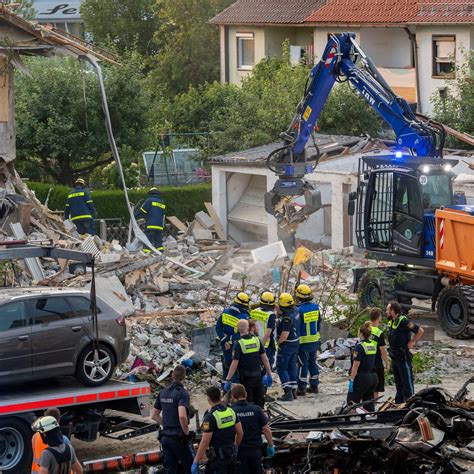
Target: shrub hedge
{"points": [[182, 202]]}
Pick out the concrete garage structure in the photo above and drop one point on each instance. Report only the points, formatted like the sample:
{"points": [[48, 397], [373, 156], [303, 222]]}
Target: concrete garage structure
{"points": [[240, 180]]}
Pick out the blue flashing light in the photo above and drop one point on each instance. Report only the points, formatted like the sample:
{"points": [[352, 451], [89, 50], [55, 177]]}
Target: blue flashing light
{"points": [[398, 154], [289, 170]]}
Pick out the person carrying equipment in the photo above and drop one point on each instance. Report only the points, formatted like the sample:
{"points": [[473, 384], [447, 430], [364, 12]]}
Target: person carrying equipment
{"points": [[288, 333], [80, 208], [310, 337], [226, 328], [153, 210]]}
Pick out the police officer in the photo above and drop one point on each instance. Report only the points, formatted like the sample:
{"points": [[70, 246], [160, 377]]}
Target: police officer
{"points": [[80, 208], [154, 211], [221, 433], [247, 356], [400, 345], [254, 424], [310, 336], [288, 333], [226, 328], [363, 379], [382, 356], [171, 410]]}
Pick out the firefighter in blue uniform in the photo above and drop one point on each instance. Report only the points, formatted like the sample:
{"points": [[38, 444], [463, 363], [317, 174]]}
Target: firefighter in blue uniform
{"points": [[310, 336], [80, 208], [226, 328], [254, 425], [400, 345], [221, 433], [363, 380], [153, 210], [288, 333], [171, 410]]}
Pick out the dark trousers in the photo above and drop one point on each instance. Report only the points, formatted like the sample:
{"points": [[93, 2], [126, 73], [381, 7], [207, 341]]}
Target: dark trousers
{"points": [[270, 351], [176, 451], [307, 364], [221, 466], [254, 388], [363, 390], [226, 361], [85, 226], [403, 373], [250, 461], [287, 366], [155, 237]]}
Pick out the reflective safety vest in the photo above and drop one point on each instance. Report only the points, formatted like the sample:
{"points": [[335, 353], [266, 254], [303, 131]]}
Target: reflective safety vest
{"points": [[225, 419], [309, 327], [377, 332], [38, 446], [262, 320], [249, 346], [370, 347], [230, 320], [394, 324]]}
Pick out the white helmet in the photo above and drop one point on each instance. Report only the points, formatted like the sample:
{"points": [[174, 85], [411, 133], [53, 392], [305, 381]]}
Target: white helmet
{"points": [[45, 424]]}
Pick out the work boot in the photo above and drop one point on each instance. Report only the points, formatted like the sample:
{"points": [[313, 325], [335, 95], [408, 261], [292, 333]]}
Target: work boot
{"points": [[301, 392], [269, 398], [287, 396], [313, 389], [295, 395]]}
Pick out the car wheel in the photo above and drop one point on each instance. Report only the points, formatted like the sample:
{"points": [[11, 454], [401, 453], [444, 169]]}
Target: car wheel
{"points": [[15, 446], [92, 371]]}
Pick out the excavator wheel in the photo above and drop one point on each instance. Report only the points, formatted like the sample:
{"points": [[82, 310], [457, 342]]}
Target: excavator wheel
{"points": [[375, 290], [456, 311]]}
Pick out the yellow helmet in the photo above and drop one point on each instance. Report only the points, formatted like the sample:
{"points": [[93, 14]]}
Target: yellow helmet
{"points": [[242, 298], [304, 292], [80, 181], [286, 300], [267, 297]]}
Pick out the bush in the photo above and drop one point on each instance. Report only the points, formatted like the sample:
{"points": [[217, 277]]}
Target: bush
{"points": [[181, 202]]}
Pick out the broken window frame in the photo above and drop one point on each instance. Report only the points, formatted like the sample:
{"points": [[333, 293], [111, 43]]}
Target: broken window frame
{"points": [[441, 60], [242, 63]]}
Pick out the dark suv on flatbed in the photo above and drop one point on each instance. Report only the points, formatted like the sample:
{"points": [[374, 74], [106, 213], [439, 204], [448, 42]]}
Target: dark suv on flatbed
{"points": [[48, 332]]}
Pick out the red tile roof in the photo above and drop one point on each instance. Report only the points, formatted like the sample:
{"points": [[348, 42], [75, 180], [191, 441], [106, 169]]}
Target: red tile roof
{"points": [[393, 11], [256, 12]]}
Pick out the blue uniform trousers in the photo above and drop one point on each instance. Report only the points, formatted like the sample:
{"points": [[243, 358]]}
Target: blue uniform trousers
{"points": [[155, 237], [85, 226], [403, 374], [226, 361], [176, 451], [270, 351], [307, 362], [287, 366]]}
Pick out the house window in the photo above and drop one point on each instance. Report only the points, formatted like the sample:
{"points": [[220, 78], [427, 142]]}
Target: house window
{"points": [[245, 50], [444, 56]]}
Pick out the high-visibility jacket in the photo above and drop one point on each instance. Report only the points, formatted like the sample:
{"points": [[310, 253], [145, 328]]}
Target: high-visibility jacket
{"points": [[154, 211], [250, 345], [226, 325], [376, 333], [310, 323], [39, 446], [79, 205], [261, 317], [370, 347], [394, 324], [225, 418]]}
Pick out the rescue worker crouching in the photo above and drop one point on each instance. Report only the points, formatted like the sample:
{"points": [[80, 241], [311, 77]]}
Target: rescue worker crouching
{"points": [[59, 456], [363, 380], [247, 357], [288, 333], [310, 336], [153, 209], [254, 425], [80, 208], [226, 328], [221, 435], [171, 410], [400, 345]]}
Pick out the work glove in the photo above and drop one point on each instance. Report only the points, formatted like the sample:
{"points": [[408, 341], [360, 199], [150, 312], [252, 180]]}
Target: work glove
{"points": [[270, 451], [267, 381], [227, 386], [195, 468], [351, 386]]}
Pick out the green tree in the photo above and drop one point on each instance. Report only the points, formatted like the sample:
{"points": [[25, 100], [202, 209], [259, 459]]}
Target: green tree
{"points": [[23, 8], [187, 45], [60, 122], [456, 107], [127, 24]]}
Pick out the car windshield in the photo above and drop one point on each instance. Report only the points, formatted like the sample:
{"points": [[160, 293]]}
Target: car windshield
{"points": [[436, 190]]}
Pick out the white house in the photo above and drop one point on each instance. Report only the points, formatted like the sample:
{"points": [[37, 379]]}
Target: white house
{"points": [[416, 44]]}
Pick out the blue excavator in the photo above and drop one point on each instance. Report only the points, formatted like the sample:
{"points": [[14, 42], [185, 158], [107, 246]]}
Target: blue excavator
{"points": [[398, 198]]}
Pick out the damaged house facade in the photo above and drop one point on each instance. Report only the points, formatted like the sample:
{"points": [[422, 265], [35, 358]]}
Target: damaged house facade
{"points": [[415, 44]]}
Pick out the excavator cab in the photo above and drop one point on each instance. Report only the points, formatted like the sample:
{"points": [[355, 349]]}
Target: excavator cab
{"points": [[396, 203]]}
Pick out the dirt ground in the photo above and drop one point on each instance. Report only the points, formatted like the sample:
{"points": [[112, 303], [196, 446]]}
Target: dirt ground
{"points": [[333, 391]]}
